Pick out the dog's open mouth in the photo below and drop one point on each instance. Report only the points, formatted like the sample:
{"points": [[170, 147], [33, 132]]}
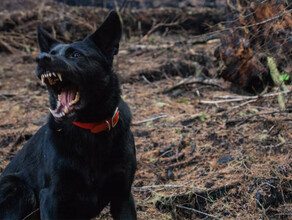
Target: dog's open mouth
{"points": [[66, 92]]}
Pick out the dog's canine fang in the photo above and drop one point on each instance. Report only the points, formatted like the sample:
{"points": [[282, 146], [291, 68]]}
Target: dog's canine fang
{"points": [[62, 110], [59, 76], [67, 93], [51, 78]]}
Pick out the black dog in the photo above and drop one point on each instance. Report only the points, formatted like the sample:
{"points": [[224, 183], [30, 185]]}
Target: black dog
{"points": [[84, 157]]}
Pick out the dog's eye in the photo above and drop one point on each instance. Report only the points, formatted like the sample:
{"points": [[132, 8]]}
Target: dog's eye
{"points": [[76, 55]]}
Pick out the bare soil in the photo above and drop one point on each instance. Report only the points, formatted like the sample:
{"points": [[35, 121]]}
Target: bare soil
{"points": [[205, 149]]}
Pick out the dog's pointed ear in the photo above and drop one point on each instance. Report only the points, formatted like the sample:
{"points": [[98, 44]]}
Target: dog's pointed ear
{"points": [[108, 35], [45, 40]]}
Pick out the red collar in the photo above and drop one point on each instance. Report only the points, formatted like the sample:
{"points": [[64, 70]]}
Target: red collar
{"points": [[97, 127]]}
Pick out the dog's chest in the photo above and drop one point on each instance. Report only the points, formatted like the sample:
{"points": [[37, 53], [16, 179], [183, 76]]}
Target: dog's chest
{"points": [[92, 176]]}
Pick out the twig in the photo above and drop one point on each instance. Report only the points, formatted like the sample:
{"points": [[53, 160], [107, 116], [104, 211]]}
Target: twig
{"points": [[272, 112], [231, 96], [195, 210], [135, 47], [6, 95], [277, 145], [158, 26], [181, 164], [283, 214], [242, 104], [166, 186], [244, 120], [145, 79], [6, 47], [243, 98], [190, 81], [150, 119], [124, 4], [165, 153], [176, 158], [31, 214], [148, 82]]}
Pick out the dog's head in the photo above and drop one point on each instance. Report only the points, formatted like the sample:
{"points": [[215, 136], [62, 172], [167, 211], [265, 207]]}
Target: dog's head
{"points": [[77, 75]]}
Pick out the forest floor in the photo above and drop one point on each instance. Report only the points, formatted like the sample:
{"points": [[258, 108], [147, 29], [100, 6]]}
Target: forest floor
{"points": [[205, 149]]}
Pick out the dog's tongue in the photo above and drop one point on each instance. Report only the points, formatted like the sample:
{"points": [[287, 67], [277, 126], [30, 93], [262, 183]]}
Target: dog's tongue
{"points": [[66, 97]]}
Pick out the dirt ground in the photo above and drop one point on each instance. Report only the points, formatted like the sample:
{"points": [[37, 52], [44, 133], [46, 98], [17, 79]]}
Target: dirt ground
{"points": [[205, 149]]}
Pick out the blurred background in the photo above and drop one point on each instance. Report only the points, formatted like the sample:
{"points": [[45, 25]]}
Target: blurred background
{"points": [[209, 86]]}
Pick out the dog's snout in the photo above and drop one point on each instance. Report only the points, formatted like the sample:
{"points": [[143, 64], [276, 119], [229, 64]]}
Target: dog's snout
{"points": [[44, 59]]}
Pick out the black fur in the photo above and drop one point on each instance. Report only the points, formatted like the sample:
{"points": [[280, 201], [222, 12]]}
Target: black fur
{"points": [[66, 171]]}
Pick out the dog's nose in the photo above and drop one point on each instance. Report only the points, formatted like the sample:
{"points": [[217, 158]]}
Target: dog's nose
{"points": [[44, 59]]}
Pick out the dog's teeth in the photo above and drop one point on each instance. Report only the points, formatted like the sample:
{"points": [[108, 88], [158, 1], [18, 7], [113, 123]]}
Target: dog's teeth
{"points": [[66, 110], [77, 97], [59, 115], [59, 76], [52, 111], [43, 79], [58, 104], [50, 74], [54, 74]]}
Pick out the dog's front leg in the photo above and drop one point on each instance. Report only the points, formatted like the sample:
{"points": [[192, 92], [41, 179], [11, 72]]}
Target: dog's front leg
{"points": [[47, 205], [57, 204], [53, 206], [123, 208]]}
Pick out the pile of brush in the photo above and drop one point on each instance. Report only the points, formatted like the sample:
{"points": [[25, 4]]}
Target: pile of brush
{"points": [[255, 31], [18, 27]]}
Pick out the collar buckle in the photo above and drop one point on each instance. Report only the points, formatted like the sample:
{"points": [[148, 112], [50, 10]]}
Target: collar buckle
{"points": [[115, 117], [108, 125]]}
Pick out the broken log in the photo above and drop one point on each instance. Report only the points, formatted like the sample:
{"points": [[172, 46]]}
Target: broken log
{"points": [[257, 30]]}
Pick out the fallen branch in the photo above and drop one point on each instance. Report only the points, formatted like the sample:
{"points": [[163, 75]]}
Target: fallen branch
{"points": [[185, 163], [277, 145], [6, 95], [166, 186], [243, 98], [190, 81], [150, 119], [248, 119], [195, 210], [272, 112], [174, 159], [242, 104], [201, 39], [5, 47], [153, 29], [135, 47]]}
